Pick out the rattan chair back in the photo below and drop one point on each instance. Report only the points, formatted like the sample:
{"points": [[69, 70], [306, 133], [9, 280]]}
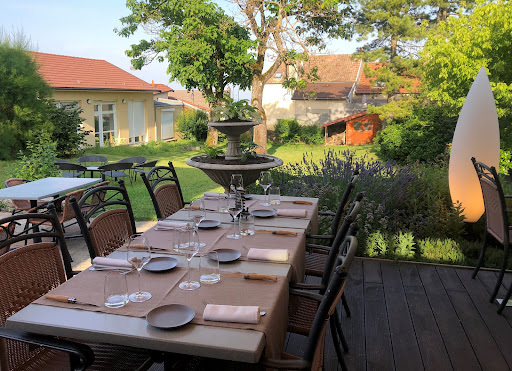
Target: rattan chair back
{"points": [[6, 230], [316, 339], [348, 228], [164, 189], [19, 205], [106, 223]]}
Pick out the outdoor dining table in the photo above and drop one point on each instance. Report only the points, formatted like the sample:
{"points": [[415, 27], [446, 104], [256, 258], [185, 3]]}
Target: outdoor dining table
{"points": [[44, 188], [229, 341], [308, 223]]}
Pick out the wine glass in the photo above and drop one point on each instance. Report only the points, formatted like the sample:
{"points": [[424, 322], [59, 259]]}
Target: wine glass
{"points": [[196, 216], [237, 181], [189, 250], [265, 181], [234, 208], [139, 253]]}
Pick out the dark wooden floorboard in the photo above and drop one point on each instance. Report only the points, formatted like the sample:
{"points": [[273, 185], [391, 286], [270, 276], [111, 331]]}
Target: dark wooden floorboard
{"points": [[412, 317], [353, 327], [497, 325], [432, 349], [403, 339]]}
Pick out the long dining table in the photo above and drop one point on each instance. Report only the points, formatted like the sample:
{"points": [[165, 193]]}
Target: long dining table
{"points": [[221, 340]]}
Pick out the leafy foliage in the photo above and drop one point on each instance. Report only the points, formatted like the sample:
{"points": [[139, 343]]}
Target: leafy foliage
{"points": [[212, 151], [505, 161], [205, 48], [290, 131], [248, 151], [454, 55], [193, 124], [67, 130], [229, 110], [39, 161], [23, 96], [421, 137], [441, 250]]}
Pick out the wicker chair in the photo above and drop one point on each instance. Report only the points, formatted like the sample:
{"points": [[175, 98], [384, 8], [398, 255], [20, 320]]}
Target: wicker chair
{"points": [[167, 197], [70, 170], [116, 170], [325, 305], [110, 228], [84, 160], [6, 230], [496, 221], [337, 216], [29, 272], [20, 205]]}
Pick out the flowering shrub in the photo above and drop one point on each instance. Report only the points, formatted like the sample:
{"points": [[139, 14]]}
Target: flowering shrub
{"points": [[396, 199]]}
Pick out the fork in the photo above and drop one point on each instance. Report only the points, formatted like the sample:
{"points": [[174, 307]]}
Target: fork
{"points": [[245, 248]]}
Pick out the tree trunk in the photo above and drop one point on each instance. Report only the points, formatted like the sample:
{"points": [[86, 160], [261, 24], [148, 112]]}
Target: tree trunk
{"points": [[260, 131], [213, 137]]}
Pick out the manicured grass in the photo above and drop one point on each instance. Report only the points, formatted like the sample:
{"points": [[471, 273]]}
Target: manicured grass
{"points": [[193, 181]]}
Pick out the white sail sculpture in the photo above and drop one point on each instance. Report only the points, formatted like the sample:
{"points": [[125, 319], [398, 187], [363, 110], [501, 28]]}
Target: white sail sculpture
{"points": [[476, 135]]}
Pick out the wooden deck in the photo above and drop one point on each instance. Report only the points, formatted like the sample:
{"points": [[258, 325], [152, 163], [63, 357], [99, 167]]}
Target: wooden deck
{"points": [[414, 317]]}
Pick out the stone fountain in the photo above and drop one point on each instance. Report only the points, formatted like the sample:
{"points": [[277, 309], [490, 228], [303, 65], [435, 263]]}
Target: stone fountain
{"points": [[220, 169]]}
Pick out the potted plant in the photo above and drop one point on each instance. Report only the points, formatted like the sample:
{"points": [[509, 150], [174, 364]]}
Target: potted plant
{"points": [[238, 111]]}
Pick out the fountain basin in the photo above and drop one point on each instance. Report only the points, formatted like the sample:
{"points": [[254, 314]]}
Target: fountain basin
{"points": [[221, 173]]}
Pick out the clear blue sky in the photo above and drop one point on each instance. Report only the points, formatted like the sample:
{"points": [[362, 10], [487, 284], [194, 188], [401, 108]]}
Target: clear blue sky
{"points": [[85, 29]]}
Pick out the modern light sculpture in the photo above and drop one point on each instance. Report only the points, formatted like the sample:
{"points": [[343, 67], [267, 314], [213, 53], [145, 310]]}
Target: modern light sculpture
{"points": [[476, 135]]}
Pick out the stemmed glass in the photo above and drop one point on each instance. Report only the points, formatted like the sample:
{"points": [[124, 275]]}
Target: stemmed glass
{"points": [[234, 208], [139, 253], [189, 250], [197, 216], [238, 181], [265, 181]]}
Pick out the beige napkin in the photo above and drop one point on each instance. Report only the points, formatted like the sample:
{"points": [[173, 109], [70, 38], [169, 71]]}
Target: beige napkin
{"points": [[232, 313], [276, 255], [109, 262], [213, 195], [294, 213], [163, 225]]}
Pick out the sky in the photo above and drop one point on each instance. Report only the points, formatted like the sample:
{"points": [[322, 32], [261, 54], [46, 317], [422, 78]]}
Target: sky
{"points": [[85, 29]]}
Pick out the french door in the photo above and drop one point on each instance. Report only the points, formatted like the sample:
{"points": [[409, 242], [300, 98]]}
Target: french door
{"points": [[104, 123]]}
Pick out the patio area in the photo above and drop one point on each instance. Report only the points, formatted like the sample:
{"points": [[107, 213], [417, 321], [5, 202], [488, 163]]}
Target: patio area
{"points": [[408, 316]]}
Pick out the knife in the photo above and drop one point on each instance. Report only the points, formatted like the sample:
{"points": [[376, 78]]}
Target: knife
{"points": [[299, 202], [283, 233], [67, 299], [251, 276]]}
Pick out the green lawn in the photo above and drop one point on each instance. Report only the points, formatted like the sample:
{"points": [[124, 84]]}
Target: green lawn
{"points": [[193, 181]]}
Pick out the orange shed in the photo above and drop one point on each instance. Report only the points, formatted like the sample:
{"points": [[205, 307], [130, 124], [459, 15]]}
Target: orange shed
{"points": [[359, 128]]}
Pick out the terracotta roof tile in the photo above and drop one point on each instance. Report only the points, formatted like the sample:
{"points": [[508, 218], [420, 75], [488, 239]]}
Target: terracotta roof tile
{"points": [[162, 88], [343, 119], [193, 97], [65, 72]]}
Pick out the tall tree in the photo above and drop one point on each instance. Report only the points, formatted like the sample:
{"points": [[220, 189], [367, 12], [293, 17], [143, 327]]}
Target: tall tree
{"points": [[205, 48], [286, 31], [23, 95], [454, 55]]}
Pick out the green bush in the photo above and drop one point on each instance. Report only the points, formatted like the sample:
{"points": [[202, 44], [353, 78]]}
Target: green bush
{"points": [[287, 130], [67, 129], [421, 137], [39, 161], [441, 250], [193, 124], [311, 134]]}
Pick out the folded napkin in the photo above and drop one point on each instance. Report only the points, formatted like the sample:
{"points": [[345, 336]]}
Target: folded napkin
{"points": [[213, 195], [231, 313], [109, 262], [294, 213], [164, 225], [275, 255]]}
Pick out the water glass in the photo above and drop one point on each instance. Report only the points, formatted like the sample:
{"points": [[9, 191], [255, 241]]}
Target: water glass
{"points": [[116, 289], [274, 195], [246, 224], [181, 237], [209, 268], [223, 204]]}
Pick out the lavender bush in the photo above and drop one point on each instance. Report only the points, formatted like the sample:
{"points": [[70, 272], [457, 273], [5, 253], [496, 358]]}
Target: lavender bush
{"points": [[397, 199]]}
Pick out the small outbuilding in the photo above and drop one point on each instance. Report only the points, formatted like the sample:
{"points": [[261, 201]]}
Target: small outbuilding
{"points": [[359, 128]]}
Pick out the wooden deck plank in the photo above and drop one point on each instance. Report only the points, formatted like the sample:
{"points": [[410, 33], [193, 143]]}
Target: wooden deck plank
{"points": [[497, 325], [372, 271], [379, 352], [353, 326], [430, 341], [403, 339], [409, 275], [488, 280], [455, 339], [450, 279]]}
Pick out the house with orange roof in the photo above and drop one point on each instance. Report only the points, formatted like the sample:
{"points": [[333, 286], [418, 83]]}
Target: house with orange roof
{"points": [[342, 89], [117, 106]]}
